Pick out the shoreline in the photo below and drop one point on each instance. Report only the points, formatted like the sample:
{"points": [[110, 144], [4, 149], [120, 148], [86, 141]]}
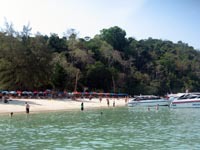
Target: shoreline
{"points": [[17, 106]]}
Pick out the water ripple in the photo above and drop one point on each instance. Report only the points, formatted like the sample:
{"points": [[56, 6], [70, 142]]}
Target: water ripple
{"points": [[120, 128]]}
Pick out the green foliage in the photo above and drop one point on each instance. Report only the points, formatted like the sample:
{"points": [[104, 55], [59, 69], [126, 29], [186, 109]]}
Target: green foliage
{"points": [[99, 76], [57, 44], [24, 63], [59, 78], [108, 62], [115, 36]]}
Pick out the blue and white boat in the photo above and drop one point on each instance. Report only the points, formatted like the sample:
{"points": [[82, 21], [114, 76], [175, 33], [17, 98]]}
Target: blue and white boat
{"points": [[148, 100], [187, 100]]}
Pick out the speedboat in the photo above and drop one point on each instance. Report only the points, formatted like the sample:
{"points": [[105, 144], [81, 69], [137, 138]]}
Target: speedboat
{"points": [[187, 100], [171, 97], [148, 100]]}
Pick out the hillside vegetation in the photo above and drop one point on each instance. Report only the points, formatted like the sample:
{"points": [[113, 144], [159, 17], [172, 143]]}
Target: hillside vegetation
{"points": [[109, 62]]}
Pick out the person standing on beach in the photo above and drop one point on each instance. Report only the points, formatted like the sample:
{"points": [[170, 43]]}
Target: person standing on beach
{"points": [[126, 99], [11, 114], [82, 106], [27, 108], [100, 99], [113, 103], [108, 102]]}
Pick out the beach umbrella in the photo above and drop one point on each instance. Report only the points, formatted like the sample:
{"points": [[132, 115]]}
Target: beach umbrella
{"points": [[35, 92], [70, 93], [30, 93], [13, 92], [107, 94], [19, 92], [41, 93], [122, 94], [100, 94], [5, 92], [93, 93], [24, 93], [76, 93], [85, 93], [112, 94], [47, 91]]}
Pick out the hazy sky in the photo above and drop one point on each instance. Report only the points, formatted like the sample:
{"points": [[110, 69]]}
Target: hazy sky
{"points": [[172, 20]]}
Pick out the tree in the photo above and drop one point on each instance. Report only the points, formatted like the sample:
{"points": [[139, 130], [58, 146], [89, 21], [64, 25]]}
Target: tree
{"points": [[57, 44], [24, 64], [115, 36], [99, 77], [9, 50], [67, 70], [9, 29], [59, 78], [26, 31], [107, 62]]}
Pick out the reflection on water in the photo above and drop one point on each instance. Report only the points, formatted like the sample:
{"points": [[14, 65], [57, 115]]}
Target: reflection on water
{"points": [[117, 128]]}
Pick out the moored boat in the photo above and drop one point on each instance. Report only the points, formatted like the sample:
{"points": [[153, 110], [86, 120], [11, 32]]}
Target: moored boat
{"points": [[148, 100], [187, 100]]}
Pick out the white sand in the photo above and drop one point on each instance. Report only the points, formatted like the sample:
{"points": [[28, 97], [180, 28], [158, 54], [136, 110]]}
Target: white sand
{"points": [[40, 105]]}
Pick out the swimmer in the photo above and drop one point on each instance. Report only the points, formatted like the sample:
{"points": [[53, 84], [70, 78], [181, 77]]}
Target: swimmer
{"points": [[148, 108], [157, 107], [82, 106], [11, 114], [27, 108]]}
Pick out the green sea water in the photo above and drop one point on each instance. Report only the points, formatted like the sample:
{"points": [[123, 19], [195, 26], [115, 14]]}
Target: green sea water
{"points": [[115, 129]]}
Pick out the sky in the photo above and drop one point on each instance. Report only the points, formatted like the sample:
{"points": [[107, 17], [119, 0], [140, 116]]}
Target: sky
{"points": [[174, 20]]}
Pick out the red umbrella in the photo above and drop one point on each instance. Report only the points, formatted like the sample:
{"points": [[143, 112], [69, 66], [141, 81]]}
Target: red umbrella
{"points": [[76, 93], [19, 92], [35, 92]]}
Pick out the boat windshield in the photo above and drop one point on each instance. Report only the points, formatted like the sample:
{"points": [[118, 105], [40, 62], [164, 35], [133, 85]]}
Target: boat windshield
{"points": [[140, 98], [189, 96]]}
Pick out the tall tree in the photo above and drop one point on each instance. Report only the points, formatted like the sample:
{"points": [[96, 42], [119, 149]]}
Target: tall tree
{"points": [[115, 36], [25, 64], [99, 77], [56, 43]]}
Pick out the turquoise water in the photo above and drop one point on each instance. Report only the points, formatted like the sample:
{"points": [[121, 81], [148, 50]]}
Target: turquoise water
{"points": [[116, 129]]}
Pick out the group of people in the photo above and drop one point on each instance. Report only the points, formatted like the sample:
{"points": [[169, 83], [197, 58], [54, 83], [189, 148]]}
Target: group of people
{"points": [[108, 102], [27, 106]]}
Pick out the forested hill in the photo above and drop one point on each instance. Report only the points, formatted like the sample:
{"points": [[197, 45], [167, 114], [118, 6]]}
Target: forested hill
{"points": [[109, 62]]}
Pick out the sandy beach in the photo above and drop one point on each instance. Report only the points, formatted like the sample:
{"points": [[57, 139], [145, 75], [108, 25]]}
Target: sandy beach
{"points": [[45, 105]]}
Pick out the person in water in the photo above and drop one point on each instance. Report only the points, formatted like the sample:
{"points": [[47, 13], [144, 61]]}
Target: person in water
{"points": [[82, 106], [27, 108], [11, 114], [157, 107]]}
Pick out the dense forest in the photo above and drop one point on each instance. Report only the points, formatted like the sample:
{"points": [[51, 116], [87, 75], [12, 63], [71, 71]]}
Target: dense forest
{"points": [[109, 62]]}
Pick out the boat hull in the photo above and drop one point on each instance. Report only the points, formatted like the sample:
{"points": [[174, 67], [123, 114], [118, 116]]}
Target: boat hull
{"points": [[185, 104]]}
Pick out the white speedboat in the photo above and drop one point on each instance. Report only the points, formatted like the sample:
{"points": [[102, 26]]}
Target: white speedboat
{"points": [[188, 100], [171, 97], [148, 100]]}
